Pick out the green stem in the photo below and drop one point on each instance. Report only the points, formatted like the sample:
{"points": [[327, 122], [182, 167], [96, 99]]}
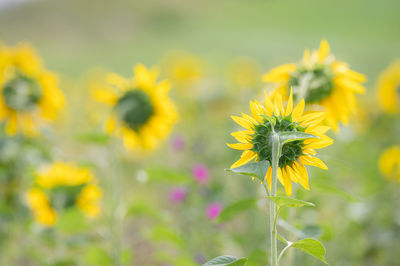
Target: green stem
{"points": [[276, 150]]}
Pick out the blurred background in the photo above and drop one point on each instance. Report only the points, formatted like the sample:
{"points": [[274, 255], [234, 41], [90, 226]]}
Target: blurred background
{"points": [[214, 53]]}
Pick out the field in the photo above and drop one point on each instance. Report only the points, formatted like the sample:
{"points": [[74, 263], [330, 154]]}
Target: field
{"points": [[115, 118]]}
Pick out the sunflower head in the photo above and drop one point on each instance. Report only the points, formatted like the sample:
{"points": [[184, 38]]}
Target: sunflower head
{"points": [[142, 113], [320, 80], [61, 186], [29, 93], [389, 163], [270, 118], [389, 88]]}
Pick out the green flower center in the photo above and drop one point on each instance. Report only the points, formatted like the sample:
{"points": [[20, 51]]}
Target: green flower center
{"points": [[134, 108], [317, 83], [22, 93], [63, 197], [262, 141]]}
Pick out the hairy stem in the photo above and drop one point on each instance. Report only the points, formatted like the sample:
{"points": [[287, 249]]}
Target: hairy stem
{"points": [[276, 150]]}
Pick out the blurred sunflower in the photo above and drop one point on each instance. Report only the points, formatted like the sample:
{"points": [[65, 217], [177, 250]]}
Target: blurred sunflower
{"points": [[61, 186], [183, 69], [256, 143], [142, 114], [389, 88], [321, 80], [389, 163], [29, 93]]}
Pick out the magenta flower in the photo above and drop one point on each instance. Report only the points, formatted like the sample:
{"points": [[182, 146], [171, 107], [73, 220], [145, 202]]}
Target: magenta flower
{"points": [[213, 210], [177, 195], [178, 142], [201, 174]]}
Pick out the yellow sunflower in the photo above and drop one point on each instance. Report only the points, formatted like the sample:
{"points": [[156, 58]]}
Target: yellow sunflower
{"points": [[389, 88], [389, 163], [61, 186], [28, 92], [142, 113], [256, 143], [321, 80]]}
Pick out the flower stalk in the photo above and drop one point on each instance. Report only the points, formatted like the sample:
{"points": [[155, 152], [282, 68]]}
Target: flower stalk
{"points": [[276, 151]]}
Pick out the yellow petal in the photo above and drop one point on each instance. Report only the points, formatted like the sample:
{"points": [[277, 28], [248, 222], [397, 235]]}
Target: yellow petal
{"points": [[242, 136], [287, 183], [268, 177], [105, 96], [322, 142], [269, 107], [280, 73], [246, 157], [240, 146], [256, 110], [314, 161], [242, 122], [278, 106], [298, 110], [323, 51], [311, 119], [302, 174], [289, 107], [349, 84]]}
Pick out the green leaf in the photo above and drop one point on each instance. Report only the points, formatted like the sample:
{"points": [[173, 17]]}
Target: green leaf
{"points": [[288, 136], [236, 208], [226, 260], [289, 202], [312, 247], [257, 169], [93, 137]]}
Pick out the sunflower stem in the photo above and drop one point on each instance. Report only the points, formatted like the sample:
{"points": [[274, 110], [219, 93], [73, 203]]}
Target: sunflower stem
{"points": [[276, 154]]}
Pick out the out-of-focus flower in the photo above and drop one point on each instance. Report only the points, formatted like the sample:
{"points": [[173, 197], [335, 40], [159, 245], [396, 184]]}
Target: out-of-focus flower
{"points": [[321, 80], [41, 208], [29, 93], [61, 186], [244, 72], [389, 88], [201, 174], [143, 115], [178, 194], [389, 163], [255, 142], [183, 69], [213, 210], [178, 142]]}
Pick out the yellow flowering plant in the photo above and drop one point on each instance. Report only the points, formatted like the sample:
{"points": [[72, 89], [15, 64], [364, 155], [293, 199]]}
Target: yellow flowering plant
{"points": [[388, 88], [277, 142], [322, 81], [61, 186], [29, 93]]}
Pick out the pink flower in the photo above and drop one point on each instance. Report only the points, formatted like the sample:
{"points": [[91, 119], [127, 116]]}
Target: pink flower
{"points": [[178, 142], [177, 195], [213, 210], [201, 174]]}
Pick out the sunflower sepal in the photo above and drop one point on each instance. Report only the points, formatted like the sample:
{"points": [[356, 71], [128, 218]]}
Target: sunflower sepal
{"points": [[253, 169], [289, 136]]}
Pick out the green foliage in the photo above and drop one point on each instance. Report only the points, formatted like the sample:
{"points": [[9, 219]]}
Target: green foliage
{"points": [[226, 260], [229, 212], [72, 221], [282, 201], [93, 137], [312, 247], [256, 169]]}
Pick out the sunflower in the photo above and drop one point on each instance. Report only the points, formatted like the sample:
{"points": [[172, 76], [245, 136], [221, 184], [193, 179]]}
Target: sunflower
{"points": [[142, 113], [61, 186], [389, 88], [321, 80], [256, 144], [389, 163], [28, 92]]}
